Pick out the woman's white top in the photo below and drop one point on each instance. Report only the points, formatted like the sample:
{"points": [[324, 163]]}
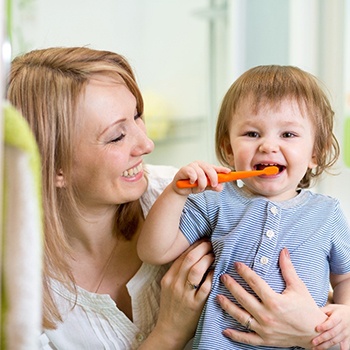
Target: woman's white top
{"points": [[95, 322]]}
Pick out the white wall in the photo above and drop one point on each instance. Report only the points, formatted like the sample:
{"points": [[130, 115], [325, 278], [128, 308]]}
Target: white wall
{"points": [[328, 37], [334, 66], [163, 40], [167, 43], [313, 37]]}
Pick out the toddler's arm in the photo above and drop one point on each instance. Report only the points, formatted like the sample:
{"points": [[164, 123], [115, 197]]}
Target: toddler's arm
{"points": [[161, 241]]}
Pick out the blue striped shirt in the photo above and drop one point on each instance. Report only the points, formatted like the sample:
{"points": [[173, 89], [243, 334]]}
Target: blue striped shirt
{"points": [[252, 229]]}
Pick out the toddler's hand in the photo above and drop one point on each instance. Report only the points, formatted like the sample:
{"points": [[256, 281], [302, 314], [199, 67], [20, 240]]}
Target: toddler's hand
{"points": [[204, 173], [335, 330]]}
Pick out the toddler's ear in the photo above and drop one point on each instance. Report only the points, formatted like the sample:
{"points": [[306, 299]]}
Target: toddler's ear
{"points": [[60, 182], [313, 162]]}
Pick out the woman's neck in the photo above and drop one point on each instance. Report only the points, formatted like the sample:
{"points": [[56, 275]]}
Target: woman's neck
{"points": [[91, 231]]}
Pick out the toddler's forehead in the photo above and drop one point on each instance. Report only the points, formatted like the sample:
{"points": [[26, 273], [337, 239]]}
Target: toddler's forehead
{"points": [[257, 104]]}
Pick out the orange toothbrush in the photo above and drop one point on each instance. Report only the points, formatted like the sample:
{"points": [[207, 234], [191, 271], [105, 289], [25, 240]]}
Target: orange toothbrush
{"points": [[233, 175]]}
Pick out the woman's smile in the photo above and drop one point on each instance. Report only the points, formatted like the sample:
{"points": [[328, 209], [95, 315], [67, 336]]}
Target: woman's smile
{"points": [[132, 172]]}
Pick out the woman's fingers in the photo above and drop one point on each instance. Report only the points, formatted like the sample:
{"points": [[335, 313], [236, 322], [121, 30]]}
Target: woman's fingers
{"points": [[289, 274], [192, 255], [191, 268], [242, 337], [195, 269], [192, 258], [262, 289], [197, 273], [258, 285], [249, 302], [236, 312]]}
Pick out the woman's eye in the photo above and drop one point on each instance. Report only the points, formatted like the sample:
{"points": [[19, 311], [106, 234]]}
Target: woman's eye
{"points": [[137, 116], [119, 138]]}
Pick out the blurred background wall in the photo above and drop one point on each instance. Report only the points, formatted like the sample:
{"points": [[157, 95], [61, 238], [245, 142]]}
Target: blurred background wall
{"points": [[187, 53]]}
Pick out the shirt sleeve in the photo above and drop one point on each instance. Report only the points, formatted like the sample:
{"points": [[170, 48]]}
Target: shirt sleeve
{"points": [[340, 251], [45, 343], [195, 221]]}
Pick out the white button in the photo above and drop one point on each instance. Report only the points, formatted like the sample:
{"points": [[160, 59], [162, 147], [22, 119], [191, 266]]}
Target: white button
{"points": [[140, 337], [264, 260], [270, 233], [274, 210]]}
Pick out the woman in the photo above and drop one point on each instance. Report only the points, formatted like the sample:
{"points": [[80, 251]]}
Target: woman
{"points": [[85, 110]]}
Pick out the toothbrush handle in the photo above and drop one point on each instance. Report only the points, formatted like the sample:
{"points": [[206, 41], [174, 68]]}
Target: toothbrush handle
{"points": [[221, 178], [233, 175]]}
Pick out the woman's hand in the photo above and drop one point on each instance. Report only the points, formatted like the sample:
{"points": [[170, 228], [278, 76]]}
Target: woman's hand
{"points": [[185, 289], [287, 319]]}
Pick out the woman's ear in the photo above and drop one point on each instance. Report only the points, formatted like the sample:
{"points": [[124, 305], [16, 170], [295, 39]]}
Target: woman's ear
{"points": [[228, 152], [60, 182]]}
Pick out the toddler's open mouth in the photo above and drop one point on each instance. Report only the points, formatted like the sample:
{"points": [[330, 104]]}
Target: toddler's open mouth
{"points": [[262, 166]]}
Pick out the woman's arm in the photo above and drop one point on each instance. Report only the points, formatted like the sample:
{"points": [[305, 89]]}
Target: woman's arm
{"points": [[287, 319], [181, 304]]}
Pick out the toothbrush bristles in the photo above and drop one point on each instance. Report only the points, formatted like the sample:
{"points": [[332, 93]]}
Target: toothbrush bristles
{"points": [[271, 170]]}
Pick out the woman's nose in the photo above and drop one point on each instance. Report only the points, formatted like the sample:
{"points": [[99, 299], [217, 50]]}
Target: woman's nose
{"points": [[149, 145], [143, 144]]}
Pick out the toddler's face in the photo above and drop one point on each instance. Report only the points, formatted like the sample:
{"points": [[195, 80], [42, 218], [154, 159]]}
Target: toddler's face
{"points": [[281, 135]]}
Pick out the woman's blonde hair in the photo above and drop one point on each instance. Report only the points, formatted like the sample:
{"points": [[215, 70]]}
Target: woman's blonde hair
{"points": [[270, 85], [45, 86]]}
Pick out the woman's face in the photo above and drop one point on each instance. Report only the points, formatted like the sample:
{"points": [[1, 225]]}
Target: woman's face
{"points": [[110, 145]]}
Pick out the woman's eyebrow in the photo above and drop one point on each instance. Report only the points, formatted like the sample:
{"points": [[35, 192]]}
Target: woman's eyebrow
{"points": [[108, 127]]}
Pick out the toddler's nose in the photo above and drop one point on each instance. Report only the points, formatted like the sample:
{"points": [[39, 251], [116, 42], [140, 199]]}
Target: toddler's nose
{"points": [[268, 147]]}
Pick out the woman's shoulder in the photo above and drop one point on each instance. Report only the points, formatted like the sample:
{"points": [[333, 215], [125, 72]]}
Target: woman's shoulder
{"points": [[158, 176], [160, 173]]}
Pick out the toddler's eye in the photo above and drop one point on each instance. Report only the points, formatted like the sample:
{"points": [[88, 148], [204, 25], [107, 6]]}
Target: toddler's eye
{"points": [[288, 134], [252, 134]]}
